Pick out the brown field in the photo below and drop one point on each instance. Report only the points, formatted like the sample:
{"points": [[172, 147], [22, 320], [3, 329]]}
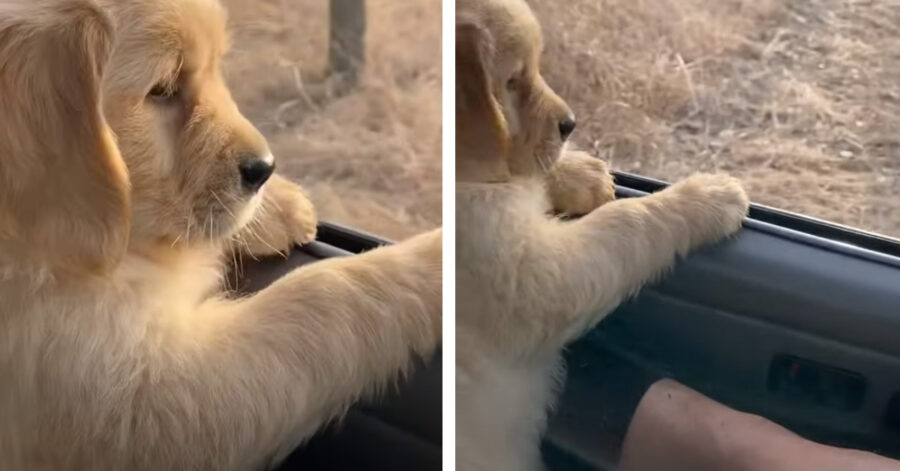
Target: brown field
{"points": [[371, 158], [799, 98]]}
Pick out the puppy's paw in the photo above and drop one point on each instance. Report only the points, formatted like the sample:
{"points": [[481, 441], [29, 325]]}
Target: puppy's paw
{"points": [[285, 218], [579, 183], [297, 214], [717, 203]]}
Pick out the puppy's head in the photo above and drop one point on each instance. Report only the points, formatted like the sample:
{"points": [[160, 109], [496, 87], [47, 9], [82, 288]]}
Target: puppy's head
{"points": [[64, 197], [197, 165], [508, 120]]}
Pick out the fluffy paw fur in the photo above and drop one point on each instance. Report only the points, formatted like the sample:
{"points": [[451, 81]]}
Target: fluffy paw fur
{"points": [[579, 183], [720, 205], [285, 218]]}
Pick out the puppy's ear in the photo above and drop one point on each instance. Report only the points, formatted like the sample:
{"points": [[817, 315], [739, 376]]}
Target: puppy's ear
{"points": [[64, 191], [482, 135]]}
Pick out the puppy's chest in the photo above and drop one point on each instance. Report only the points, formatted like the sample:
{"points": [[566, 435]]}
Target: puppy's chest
{"points": [[502, 411], [486, 272], [490, 241]]}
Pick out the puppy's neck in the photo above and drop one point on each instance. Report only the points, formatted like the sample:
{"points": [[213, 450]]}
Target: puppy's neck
{"points": [[521, 195], [165, 260], [165, 253]]}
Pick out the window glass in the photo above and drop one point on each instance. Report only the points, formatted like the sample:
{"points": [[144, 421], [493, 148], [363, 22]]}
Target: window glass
{"points": [[800, 99], [370, 155]]}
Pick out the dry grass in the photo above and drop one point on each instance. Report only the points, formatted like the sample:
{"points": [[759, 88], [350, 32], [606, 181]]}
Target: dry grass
{"points": [[799, 98], [371, 158]]}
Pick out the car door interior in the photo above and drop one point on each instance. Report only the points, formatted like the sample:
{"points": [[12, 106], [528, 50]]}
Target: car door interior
{"points": [[401, 431], [793, 319]]}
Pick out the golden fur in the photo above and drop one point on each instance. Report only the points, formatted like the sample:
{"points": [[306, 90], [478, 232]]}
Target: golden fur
{"points": [[529, 283], [182, 151], [119, 197]]}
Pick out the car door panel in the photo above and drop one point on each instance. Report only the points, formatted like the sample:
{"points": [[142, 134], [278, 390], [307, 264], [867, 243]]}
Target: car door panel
{"points": [[799, 328]]}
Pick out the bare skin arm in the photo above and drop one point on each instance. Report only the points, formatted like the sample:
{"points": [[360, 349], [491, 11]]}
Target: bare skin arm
{"points": [[676, 428]]}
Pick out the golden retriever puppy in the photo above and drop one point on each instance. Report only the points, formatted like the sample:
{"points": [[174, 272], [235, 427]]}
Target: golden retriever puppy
{"points": [[528, 283], [125, 169], [170, 109]]}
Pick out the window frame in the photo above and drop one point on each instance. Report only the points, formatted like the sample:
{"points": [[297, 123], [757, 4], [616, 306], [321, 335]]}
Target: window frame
{"points": [[784, 223]]}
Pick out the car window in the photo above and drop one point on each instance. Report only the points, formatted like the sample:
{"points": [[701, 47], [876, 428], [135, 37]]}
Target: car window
{"points": [[368, 154], [800, 99]]}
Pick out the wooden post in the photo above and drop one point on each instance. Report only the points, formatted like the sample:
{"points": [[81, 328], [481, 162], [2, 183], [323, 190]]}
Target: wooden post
{"points": [[347, 47]]}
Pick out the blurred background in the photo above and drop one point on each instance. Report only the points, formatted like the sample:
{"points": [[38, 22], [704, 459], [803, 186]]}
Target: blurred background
{"points": [[369, 154], [799, 98]]}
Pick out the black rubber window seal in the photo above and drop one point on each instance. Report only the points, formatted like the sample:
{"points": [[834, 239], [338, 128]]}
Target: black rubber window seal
{"points": [[779, 217], [351, 240]]}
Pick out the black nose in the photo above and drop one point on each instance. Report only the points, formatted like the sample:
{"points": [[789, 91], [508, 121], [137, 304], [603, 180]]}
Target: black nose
{"points": [[566, 126], [255, 172]]}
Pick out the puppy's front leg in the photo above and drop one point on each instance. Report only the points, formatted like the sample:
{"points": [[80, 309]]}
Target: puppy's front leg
{"points": [[286, 217], [597, 261], [578, 183], [356, 321], [247, 380]]}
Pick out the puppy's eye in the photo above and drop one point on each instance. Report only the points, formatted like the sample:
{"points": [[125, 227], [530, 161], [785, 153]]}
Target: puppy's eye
{"points": [[512, 84], [163, 93]]}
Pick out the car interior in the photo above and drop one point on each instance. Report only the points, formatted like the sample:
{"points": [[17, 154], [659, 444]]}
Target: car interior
{"points": [[794, 319]]}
